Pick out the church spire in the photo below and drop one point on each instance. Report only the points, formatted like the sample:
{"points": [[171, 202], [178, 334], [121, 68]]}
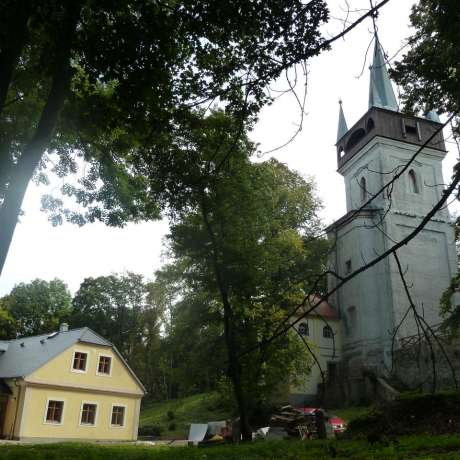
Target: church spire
{"points": [[380, 90], [343, 128]]}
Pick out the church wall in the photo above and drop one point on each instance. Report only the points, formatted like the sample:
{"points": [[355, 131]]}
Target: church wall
{"points": [[363, 301]]}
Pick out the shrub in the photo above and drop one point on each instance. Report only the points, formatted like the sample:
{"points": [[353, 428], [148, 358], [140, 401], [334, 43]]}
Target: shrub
{"points": [[172, 426], [170, 414], [150, 430]]}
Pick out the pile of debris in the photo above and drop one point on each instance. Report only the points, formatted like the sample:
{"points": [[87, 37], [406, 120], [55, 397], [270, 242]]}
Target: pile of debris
{"points": [[290, 422]]}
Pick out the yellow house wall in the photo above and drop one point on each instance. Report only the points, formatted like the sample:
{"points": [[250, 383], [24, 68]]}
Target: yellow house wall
{"points": [[59, 371], [324, 351], [57, 380], [33, 418]]}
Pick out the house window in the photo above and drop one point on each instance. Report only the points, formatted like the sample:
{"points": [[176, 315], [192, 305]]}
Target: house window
{"points": [[54, 411], [303, 329], [88, 414], [79, 361], [413, 184], [363, 187], [105, 365], [327, 332], [118, 416]]}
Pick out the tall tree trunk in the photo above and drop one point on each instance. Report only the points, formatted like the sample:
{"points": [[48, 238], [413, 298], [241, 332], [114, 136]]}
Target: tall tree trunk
{"points": [[16, 34], [23, 171], [230, 338]]}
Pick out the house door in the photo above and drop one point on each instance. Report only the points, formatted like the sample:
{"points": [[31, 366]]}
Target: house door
{"points": [[3, 406]]}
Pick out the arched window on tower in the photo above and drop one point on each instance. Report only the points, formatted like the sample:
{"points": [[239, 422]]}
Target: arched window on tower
{"points": [[363, 189], [413, 183]]}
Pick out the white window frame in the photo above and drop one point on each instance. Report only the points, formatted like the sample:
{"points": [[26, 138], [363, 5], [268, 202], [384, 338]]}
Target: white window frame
{"points": [[45, 421], [124, 417], [97, 365], [78, 371], [95, 416]]}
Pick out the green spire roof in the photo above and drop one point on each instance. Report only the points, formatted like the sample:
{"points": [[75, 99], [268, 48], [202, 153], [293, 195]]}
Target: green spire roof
{"points": [[380, 90], [343, 128]]}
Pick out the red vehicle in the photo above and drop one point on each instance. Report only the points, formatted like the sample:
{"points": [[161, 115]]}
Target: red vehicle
{"points": [[338, 424]]}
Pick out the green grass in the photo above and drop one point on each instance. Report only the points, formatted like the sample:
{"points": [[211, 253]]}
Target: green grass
{"points": [[200, 408], [433, 447]]}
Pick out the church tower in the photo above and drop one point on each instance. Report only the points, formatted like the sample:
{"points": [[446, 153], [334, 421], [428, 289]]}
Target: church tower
{"points": [[374, 304]]}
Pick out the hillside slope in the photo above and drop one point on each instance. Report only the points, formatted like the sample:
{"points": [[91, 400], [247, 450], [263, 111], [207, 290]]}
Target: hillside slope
{"points": [[171, 419]]}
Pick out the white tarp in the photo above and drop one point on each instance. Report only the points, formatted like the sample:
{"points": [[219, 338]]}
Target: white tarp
{"points": [[197, 432]]}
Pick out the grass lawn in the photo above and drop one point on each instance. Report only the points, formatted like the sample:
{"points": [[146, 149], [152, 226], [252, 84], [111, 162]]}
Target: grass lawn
{"points": [[422, 447], [200, 408]]}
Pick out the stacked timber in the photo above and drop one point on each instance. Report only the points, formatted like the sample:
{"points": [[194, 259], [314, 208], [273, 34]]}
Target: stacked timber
{"points": [[294, 422]]}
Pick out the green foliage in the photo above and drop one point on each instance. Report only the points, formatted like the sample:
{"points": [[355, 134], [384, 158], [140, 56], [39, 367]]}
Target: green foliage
{"points": [[150, 430], [243, 246], [172, 426], [410, 414], [430, 71], [421, 447], [137, 69], [127, 311], [35, 308], [200, 408]]}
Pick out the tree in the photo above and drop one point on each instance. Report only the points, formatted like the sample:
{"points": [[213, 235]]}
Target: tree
{"points": [[37, 307], [429, 71], [112, 306], [244, 233], [129, 312], [97, 82]]}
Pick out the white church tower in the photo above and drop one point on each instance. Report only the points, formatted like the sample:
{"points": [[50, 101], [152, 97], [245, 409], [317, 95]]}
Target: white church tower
{"points": [[369, 154]]}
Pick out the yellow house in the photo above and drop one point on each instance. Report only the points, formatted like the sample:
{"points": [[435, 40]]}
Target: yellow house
{"points": [[321, 329], [67, 385]]}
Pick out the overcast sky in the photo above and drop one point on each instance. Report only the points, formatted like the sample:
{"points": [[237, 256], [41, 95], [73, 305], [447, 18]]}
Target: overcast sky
{"points": [[72, 253]]}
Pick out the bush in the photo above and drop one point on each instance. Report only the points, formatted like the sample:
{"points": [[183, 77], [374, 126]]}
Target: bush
{"points": [[172, 426], [170, 414], [150, 430]]}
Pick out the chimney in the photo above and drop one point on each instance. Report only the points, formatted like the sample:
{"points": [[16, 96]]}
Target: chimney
{"points": [[64, 327]]}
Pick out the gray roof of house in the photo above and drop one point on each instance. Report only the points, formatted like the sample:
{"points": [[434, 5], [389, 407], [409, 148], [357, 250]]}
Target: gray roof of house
{"points": [[20, 357]]}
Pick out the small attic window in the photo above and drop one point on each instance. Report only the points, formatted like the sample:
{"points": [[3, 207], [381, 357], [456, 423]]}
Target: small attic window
{"points": [[79, 361]]}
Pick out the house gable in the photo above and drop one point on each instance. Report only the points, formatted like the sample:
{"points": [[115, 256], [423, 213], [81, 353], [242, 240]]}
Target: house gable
{"points": [[60, 373]]}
